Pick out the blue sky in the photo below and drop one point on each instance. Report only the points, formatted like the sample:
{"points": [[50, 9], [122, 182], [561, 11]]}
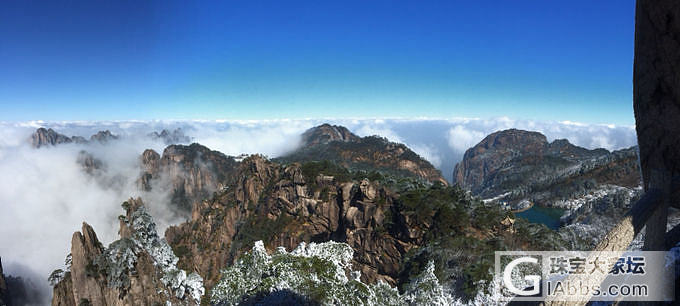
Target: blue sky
{"points": [[92, 60]]}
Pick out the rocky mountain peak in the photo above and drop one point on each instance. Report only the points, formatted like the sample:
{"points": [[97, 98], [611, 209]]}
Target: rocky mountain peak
{"points": [[48, 137], [255, 163], [103, 136], [373, 153], [175, 136], [326, 133], [194, 171], [517, 164], [150, 160], [138, 269], [190, 152], [510, 140]]}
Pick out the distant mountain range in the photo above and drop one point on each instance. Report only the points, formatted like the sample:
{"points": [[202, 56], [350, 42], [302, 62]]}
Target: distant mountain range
{"points": [[48, 137]]}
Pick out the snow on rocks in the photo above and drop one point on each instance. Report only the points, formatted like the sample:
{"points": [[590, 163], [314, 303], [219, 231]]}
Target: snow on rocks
{"points": [[120, 258], [317, 273]]}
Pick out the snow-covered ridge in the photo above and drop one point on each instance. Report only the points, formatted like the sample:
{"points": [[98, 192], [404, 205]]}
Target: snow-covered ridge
{"points": [[557, 175], [322, 273], [594, 195], [120, 258]]}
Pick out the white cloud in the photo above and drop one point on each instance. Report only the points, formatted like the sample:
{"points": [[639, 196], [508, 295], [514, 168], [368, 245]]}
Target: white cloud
{"points": [[461, 138], [379, 128], [45, 196], [268, 138], [429, 153]]}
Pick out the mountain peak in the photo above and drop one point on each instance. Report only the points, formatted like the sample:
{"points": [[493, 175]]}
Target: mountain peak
{"points": [[48, 137], [372, 153], [175, 136], [520, 158], [103, 136], [513, 138], [326, 133]]}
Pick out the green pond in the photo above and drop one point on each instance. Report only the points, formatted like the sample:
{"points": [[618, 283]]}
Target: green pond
{"points": [[546, 215]]}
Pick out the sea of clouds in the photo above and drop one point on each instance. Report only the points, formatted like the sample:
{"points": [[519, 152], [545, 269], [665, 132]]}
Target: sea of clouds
{"points": [[45, 195]]}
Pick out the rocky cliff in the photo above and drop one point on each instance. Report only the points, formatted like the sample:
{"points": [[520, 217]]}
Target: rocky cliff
{"points": [[515, 165], [138, 269], [191, 172], [17, 291], [280, 205], [372, 153], [284, 205]]}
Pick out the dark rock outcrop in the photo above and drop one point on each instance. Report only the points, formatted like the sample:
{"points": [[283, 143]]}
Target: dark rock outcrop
{"points": [[3, 286], [16, 291], [656, 103], [372, 153], [656, 92], [522, 164]]}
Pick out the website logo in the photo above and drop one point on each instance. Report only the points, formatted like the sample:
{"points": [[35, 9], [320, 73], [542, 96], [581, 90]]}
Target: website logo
{"points": [[535, 280], [578, 276]]}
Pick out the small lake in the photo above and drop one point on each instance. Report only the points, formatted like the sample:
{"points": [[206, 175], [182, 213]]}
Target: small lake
{"points": [[546, 215]]}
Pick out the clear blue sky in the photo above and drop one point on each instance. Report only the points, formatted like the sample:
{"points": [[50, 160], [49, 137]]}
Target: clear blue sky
{"points": [[103, 60]]}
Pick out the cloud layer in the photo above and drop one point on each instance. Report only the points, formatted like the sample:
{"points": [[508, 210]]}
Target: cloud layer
{"points": [[45, 195]]}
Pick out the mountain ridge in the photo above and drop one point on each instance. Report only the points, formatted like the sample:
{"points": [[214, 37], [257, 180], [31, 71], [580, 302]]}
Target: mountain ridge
{"points": [[520, 161], [371, 153]]}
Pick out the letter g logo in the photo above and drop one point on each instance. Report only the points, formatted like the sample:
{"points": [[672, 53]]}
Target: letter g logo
{"points": [[535, 280]]}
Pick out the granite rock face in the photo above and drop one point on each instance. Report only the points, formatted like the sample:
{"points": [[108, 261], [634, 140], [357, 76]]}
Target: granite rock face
{"points": [[280, 204], [191, 172], [48, 137], [372, 153]]}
